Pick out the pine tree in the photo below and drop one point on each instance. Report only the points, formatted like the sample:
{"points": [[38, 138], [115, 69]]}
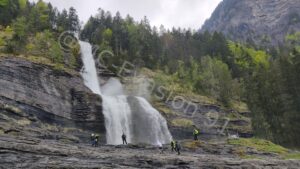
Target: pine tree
{"points": [[73, 21]]}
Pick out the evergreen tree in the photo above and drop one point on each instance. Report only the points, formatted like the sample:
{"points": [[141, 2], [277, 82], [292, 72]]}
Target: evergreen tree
{"points": [[73, 21]]}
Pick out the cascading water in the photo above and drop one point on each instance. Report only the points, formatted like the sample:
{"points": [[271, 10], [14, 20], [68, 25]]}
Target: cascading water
{"points": [[89, 73], [131, 115]]}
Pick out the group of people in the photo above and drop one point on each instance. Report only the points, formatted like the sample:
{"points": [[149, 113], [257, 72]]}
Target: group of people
{"points": [[175, 145], [95, 140]]}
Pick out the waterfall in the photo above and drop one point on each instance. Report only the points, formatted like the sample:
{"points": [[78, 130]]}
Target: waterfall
{"points": [[89, 72], [131, 115]]}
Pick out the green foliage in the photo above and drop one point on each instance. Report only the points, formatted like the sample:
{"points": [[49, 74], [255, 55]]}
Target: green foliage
{"points": [[3, 3], [75, 56], [294, 156], [73, 21], [45, 45], [107, 35], [2, 42], [293, 37], [62, 21], [55, 53], [248, 57], [42, 42], [22, 4], [259, 144], [106, 40], [193, 144], [39, 17], [294, 41], [273, 97], [182, 123], [9, 11], [5, 35], [215, 80], [172, 84], [33, 30], [20, 28]]}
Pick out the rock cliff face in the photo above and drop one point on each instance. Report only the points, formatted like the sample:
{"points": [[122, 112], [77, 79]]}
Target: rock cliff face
{"points": [[264, 22], [50, 95], [47, 115]]}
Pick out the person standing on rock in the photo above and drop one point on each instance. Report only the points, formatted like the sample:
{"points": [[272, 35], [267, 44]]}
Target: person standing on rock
{"points": [[177, 147], [93, 139], [173, 145], [97, 140], [124, 138], [195, 133]]}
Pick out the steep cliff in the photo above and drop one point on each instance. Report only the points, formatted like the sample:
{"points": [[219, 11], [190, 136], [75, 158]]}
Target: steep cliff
{"points": [[47, 95], [264, 22]]}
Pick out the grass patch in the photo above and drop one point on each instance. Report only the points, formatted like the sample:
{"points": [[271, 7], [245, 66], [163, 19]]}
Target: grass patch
{"points": [[241, 129], [240, 106], [161, 107], [40, 60], [251, 157], [240, 151], [44, 61], [52, 128], [182, 123], [71, 130], [165, 110], [236, 116], [2, 43], [292, 156], [192, 144], [23, 122], [12, 108], [259, 144]]}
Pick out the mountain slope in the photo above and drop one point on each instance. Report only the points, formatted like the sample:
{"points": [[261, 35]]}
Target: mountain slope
{"points": [[264, 22]]}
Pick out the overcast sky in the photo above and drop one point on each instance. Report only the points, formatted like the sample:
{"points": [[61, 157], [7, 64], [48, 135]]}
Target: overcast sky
{"points": [[177, 13]]}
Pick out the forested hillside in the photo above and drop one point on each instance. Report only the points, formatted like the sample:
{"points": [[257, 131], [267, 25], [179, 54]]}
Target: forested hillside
{"points": [[33, 29], [211, 65]]}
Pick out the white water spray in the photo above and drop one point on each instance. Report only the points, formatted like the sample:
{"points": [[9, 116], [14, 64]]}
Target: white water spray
{"points": [[89, 73], [133, 116]]}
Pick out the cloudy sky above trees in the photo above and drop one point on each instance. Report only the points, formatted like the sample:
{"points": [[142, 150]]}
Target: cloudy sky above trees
{"points": [[177, 13]]}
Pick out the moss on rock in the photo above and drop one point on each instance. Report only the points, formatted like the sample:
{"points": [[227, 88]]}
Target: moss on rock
{"points": [[181, 122], [259, 144]]}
